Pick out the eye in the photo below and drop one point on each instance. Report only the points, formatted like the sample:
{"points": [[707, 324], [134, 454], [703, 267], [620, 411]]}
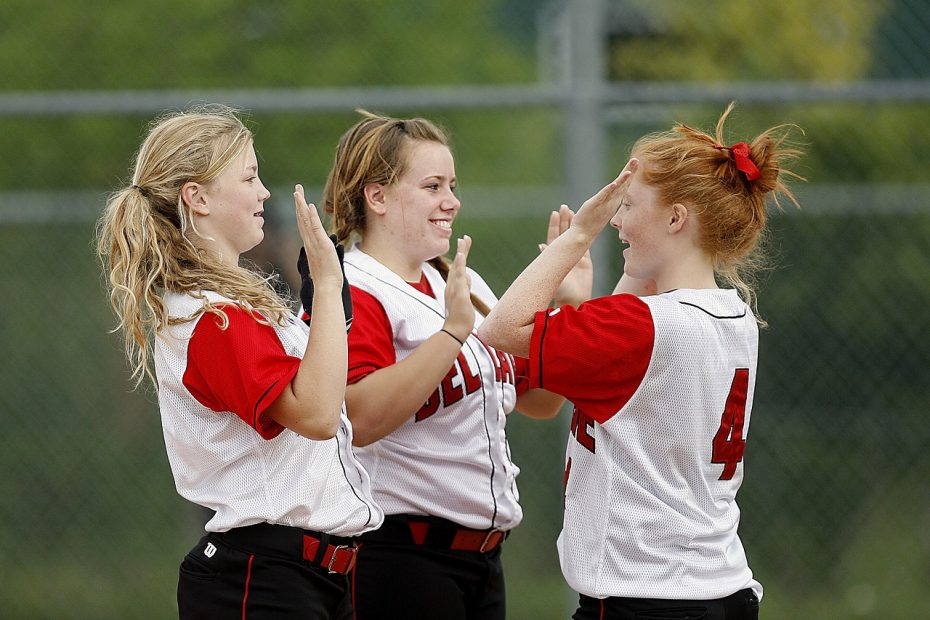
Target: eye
{"points": [[433, 187]]}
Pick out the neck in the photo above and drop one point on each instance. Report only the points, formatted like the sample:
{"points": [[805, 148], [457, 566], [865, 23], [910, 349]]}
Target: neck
{"points": [[696, 272], [223, 255], [408, 268]]}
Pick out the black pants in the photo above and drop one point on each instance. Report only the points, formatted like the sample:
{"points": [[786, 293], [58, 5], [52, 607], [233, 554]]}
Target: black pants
{"points": [[742, 605], [230, 576], [397, 579]]}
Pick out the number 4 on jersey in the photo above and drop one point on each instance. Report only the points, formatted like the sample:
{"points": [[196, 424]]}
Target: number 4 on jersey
{"points": [[729, 443]]}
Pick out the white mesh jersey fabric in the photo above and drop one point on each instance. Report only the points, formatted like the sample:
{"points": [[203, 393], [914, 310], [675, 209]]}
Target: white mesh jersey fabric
{"points": [[647, 514], [222, 463], [454, 464]]}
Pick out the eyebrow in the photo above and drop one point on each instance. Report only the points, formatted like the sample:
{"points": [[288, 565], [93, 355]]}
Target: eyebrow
{"points": [[441, 177]]}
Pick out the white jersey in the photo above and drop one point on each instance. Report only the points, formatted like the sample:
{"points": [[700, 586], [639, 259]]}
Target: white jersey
{"points": [[221, 462], [663, 389], [451, 459]]}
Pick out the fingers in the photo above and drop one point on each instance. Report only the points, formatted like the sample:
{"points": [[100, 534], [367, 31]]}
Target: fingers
{"points": [[462, 248], [612, 190], [308, 220], [565, 218], [554, 228], [559, 222], [625, 175], [457, 271]]}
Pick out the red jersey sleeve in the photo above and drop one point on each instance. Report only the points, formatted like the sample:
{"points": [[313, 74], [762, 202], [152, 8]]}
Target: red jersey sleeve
{"points": [[241, 369], [371, 339], [596, 355]]}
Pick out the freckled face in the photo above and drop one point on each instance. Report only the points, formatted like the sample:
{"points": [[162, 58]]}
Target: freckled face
{"points": [[642, 223], [421, 203]]}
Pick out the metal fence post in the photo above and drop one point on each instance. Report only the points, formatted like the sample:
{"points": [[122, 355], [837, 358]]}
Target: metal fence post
{"points": [[585, 82]]}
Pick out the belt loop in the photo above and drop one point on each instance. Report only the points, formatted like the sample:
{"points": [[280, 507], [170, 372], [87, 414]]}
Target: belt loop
{"points": [[321, 550]]}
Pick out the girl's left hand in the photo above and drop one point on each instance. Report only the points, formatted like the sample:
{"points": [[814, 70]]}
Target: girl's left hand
{"points": [[578, 285]]}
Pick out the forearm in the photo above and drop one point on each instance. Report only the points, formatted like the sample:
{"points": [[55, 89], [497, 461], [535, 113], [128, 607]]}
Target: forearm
{"points": [[510, 323], [312, 403], [539, 404], [388, 397]]}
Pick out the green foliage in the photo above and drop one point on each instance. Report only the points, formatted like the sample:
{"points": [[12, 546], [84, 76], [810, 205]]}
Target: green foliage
{"points": [[184, 44], [194, 46], [737, 40]]}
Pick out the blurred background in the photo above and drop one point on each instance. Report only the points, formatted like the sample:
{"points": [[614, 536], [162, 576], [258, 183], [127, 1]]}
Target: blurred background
{"points": [[543, 100]]}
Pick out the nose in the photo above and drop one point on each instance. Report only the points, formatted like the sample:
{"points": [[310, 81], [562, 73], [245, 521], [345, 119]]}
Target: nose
{"points": [[616, 221], [265, 194], [452, 203]]}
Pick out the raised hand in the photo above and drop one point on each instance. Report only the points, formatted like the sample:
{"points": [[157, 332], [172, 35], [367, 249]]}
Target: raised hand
{"points": [[460, 313], [322, 260], [597, 210], [577, 286]]}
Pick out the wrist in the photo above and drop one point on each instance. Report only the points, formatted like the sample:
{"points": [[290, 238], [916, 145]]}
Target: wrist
{"points": [[579, 238], [457, 333], [328, 286]]}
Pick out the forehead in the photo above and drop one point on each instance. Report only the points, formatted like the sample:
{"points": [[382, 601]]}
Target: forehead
{"points": [[424, 158], [637, 189], [247, 157], [241, 163]]}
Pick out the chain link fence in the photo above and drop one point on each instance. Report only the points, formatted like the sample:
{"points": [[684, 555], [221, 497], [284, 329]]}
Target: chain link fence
{"points": [[835, 506]]}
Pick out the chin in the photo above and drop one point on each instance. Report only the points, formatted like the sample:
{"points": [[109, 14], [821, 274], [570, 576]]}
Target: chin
{"points": [[257, 242], [441, 249]]}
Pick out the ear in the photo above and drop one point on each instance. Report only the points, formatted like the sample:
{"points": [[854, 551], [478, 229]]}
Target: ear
{"points": [[375, 198], [679, 215], [194, 198]]}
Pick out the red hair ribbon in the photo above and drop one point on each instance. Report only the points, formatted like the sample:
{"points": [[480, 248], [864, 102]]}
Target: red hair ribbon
{"points": [[744, 164]]}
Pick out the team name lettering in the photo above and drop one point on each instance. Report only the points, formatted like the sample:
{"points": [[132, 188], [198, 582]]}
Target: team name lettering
{"points": [[580, 425], [458, 383], [503, 364]]}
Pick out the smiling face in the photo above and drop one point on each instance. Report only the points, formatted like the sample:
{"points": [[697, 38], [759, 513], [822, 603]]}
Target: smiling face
{"points": [[233, 203], [642, 221], [421, 205]]}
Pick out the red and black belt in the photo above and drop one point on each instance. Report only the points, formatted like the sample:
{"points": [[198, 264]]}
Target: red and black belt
{"points": [[334, 554], [435, 532]]}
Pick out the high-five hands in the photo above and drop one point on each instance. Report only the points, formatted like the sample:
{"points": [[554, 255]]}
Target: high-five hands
{"points": [[578, 285]]}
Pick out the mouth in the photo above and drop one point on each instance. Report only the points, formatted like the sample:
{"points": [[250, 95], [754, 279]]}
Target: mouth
{"points": [[442, 224], [258, 213]]}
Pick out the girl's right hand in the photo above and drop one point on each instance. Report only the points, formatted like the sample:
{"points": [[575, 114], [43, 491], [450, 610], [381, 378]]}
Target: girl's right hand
{"points": [[597, 210], [321, 255], [460, 313]]}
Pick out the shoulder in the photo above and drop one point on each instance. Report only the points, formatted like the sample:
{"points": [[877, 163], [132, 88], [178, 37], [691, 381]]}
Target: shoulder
{"points": [[365, 301], [709, 303]]}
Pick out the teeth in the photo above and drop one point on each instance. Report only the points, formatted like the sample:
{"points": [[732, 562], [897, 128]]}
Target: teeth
{"points": [[443, 223]]}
